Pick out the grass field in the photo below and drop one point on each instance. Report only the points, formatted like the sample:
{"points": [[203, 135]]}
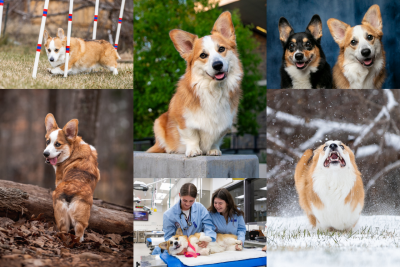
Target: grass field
{"points": [[16, 67], [374, 241]]}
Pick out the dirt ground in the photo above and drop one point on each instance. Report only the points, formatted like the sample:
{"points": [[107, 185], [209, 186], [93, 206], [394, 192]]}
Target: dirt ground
{"points": [[34, 242]]}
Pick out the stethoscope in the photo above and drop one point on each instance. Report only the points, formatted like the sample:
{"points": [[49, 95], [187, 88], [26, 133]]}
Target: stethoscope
{"points": [[189, 223]]}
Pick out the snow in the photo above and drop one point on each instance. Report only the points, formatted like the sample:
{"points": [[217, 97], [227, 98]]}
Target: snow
{"points": [[374, 241], [365, 151]]}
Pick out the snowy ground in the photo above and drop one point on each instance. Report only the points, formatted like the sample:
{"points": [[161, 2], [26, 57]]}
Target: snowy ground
{"points": [[374, 241]]}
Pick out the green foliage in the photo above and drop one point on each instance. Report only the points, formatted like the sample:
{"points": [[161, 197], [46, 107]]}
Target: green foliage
{"points": [[158, 66]]}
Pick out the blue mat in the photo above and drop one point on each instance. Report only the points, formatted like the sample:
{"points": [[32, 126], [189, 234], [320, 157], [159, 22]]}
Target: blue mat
{"points": [[172, 261]]}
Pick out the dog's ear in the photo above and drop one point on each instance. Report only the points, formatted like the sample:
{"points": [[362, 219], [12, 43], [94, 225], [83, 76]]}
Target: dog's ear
{"points": [[373, 17], [338, 30], [179, 231], [224, 26], [46, 35], [60, 33], [315, 28], [285, 30], [183, 42], [71, 129], [50, 123], [163, 245]]}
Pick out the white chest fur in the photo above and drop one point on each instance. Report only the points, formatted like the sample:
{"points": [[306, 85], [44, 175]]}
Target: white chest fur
{"points": [[300, 78], [333, 186], [360, 77]]}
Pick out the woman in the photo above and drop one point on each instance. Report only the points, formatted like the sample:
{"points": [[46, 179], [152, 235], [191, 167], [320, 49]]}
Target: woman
{"points": [[190, 216], [227, 218]]}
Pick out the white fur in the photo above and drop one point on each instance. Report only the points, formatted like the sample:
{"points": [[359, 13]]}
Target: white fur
{"points": [[300, 78], [91, 147], [332, 185], [67, 209], [224, 244], [54, 151], [182, 241]]}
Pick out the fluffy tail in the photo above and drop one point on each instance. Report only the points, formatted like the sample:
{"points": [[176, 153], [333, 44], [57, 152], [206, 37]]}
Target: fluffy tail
{"points": [[160, 125]]}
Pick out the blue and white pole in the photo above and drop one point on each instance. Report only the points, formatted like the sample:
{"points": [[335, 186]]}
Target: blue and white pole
{"points": [[39, 45], [96, 13], [71, 9], [121, 14]]}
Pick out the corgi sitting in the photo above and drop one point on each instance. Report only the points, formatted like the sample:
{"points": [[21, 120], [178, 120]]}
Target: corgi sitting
{"points": [[361, 61], [304, 65], [207, 97], [84, 55], [75, 164], [330, 187], [179, 244]]}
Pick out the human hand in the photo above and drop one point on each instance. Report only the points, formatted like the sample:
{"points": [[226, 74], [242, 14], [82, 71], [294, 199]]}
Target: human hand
{"points": [[202, 244], [264, 248]]}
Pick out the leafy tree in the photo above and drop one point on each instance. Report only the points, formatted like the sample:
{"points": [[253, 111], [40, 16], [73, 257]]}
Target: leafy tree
{"points": [[158, 66]]}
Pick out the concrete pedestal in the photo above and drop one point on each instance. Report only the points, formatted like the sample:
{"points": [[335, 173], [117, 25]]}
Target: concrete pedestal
{"points": [[161, 165]]}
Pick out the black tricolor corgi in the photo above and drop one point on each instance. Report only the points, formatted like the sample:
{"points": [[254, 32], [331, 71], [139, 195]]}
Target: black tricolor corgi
{"points": [[303, 62]]}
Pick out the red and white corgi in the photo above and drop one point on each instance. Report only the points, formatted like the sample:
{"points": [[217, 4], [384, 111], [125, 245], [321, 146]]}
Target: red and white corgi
{"points": [[361, 61], [75, 164], [84, 55], [330, 187], [207, 97], [179, 243]]}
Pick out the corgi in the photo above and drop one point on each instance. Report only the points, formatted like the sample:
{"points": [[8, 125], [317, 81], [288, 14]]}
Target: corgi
{"points": [[361, 60], [179, 244], [304, 65], [330, 187], [206, 101], [84, 55], [75, 165]]}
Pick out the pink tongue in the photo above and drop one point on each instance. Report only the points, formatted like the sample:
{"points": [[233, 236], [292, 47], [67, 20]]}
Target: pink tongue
{"points": [[334, 156], [300, 65], [368, 61], [220, 76], [53, 161]]}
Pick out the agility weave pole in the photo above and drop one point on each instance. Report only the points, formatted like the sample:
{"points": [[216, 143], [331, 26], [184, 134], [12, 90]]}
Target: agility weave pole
{"points": [[1, 13], [121, 14], [71, 9], [96, 14], [39, 46]]}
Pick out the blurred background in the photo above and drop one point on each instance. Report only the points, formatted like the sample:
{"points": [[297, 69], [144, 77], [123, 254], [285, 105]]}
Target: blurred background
{"points": [[366, 120], [105, 121], [299, 14], [158, 66]]}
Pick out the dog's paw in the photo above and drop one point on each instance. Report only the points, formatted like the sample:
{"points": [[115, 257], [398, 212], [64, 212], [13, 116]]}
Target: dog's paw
{"points": [[193, 152], [49, 70], [239, 247], [238, 242], [214, 152], [115, 72]]}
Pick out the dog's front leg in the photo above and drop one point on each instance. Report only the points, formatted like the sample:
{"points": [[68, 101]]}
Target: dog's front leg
{"points": [[55, 70], [191, 139]]}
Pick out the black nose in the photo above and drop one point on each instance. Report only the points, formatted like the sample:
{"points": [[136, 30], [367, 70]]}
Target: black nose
{"points": [[333, 146], [365, 52], [46, 153], [51, 59], [176, 243], [217, 65], [299, 56]]}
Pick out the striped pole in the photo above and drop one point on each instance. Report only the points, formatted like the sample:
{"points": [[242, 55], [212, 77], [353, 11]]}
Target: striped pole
{"points": [[71, 9], [1, 13], [96, 13], [121, 13], [39, 46]]}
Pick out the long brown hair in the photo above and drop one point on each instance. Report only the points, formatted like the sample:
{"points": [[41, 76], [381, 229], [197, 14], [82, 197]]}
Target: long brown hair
{"points": [[188, 189], [230, 204]]}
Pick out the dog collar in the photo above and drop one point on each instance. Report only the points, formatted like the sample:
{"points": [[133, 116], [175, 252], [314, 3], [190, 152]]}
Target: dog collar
{"points": [[191, 254]]}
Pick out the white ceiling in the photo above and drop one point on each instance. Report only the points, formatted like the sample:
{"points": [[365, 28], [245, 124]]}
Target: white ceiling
{"points": [[148, 195]]}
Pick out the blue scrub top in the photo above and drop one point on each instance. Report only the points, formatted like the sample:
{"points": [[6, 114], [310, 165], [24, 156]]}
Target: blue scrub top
{"points": [[201, 221], [235, 226]]}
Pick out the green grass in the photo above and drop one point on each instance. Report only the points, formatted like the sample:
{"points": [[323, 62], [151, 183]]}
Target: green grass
{"points": [[16, 67]]}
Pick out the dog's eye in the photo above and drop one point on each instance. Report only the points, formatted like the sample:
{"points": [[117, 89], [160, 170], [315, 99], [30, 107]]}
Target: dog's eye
{"points": [[202, 55], [221, 49], [291, 45], [170, 242], [342, 146], [49, 50], [176, 238], [353, 42], [325, 147], [308, 44], [56, 50], [58, 144], [370, 37], [48, 142]]}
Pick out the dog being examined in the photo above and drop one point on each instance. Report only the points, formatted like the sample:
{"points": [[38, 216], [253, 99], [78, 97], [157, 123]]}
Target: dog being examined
{"points": [[206, 101], [84, 55], [75, 165]]}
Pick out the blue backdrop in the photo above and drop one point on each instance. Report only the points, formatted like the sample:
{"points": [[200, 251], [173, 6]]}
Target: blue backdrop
{"points": [[299, 14]]}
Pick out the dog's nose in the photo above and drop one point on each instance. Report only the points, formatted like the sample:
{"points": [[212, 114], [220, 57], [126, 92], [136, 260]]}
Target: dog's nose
{"points": [[46, 154], [176, 243], [217, 65], [51, 59], [299, 56], [333, 146], [365, 52]]}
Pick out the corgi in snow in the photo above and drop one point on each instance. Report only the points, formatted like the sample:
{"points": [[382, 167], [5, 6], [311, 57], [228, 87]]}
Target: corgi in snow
{"points": [[361, 61], [205, 104], [84, 55], [75, 164], [330, 187], [304, 65], [179, 244]]}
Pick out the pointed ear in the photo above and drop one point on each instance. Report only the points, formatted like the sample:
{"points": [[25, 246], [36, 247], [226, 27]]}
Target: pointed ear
{"points": [[315, 27], [179, 231], [163, 245], [224, 26], [46, 35], [373, 17], [285, 30], [71, 129], [183, 42], [338, 30], [50, 123], [60, 33]]}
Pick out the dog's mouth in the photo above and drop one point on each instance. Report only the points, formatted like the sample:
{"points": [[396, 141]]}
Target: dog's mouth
{"points": [[218, 76], [177, 246], [367, 62], [334, 158], [52, 161], [303, 65]]}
